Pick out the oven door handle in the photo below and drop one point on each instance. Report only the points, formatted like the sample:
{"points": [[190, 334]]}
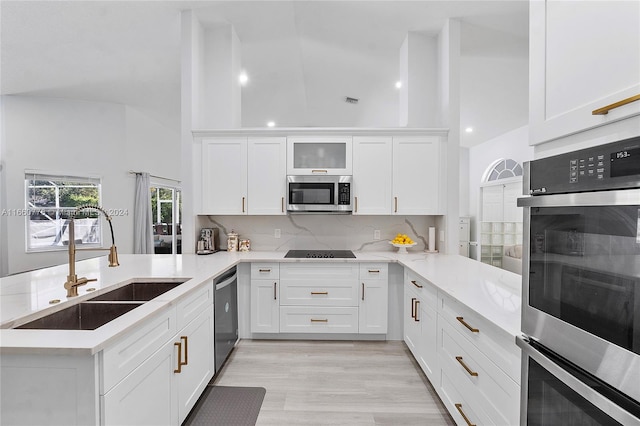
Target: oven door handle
{"points": [[577, 385], [624, 197]]}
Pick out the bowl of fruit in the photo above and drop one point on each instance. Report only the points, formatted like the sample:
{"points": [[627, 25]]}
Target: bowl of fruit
{"points": [[402, 241]]}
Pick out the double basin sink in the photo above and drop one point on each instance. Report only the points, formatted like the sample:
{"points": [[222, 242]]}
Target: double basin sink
{"points": [[101, 309]]}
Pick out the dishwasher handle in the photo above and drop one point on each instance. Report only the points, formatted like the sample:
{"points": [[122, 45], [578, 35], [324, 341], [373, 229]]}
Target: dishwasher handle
{"points": [[225, 280]]}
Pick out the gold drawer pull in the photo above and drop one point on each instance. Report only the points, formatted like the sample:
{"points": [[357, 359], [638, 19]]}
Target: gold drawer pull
{"points": [[282, 204], [416, 284], [374, 271], [395, 200], [319, 292], [180, 364], [264, 270], [463, 322], [605, 110], [464, 416], [319, 320], [466, 367], [318, 171], [362, 291], [275, 294], [242, 204], [413, 307], [416, 317], [356, 208], [186, 349]]}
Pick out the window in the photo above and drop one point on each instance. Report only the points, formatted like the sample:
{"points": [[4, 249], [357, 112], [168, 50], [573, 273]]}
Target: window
{"points": [[166, 209], [50, 200], [502, 169]]}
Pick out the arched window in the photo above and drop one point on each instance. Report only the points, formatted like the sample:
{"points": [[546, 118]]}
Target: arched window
{"points": [[502, 169]]}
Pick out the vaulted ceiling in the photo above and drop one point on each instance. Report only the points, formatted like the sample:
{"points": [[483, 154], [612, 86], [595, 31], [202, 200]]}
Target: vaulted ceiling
{"points": [[303, 57]]}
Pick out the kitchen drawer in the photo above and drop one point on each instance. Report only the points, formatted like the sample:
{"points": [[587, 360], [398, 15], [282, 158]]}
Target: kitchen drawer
{"points": [[265, 271], [304, 271], [459, 407], [374, 271], [496, 344], [135, 347], [427, 293], [192, 305], [484, 384], [319, 292], [318, 319]]}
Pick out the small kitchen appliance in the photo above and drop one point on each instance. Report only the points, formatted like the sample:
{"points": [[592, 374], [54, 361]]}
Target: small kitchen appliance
{"points": [[319, 194]]}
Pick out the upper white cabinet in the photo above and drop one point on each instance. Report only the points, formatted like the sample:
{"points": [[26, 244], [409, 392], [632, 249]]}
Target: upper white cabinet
{"points": [[224, 176], [319, 155], [243, 175], [416, 175], [372, 174], [583, 56], [267, 175]]}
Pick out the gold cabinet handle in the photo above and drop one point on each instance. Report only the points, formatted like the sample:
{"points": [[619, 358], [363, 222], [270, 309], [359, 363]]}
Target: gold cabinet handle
{"points": [[416, 284], [179, 369], [413, 307], [318, 171], [319, 292], [605, 110], [275, 294], [356, 202], [464, 416], [466, 367], [463, 322], [416, 317], [186, 349], [242, 204], [264, 270], [282, 204], [374, 271], [319, 320], [362, 291], [395, 200]]}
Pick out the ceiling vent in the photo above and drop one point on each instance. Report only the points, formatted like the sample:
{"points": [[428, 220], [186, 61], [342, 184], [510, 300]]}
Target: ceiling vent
{"points": [[351, 100]]}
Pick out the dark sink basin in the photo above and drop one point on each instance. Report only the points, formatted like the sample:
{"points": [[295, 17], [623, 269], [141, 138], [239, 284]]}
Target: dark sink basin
{"points": [[83, 316], [138, 292]]}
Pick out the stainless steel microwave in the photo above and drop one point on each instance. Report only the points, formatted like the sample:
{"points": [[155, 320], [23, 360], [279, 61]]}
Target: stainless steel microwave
{"points": [[319, 194]]}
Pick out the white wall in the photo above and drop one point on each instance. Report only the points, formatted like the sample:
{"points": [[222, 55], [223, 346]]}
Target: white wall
{"points": [[79, 138], [513, 144]]}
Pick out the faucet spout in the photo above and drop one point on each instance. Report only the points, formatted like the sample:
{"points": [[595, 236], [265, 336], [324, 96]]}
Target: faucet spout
{"points": [[73, 282]]}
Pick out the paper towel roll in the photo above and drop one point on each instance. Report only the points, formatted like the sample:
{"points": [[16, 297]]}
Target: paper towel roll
{"points": [[432, 239]]}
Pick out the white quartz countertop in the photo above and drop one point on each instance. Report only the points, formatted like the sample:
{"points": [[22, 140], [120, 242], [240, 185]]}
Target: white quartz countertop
{"points": [[491, 292]]}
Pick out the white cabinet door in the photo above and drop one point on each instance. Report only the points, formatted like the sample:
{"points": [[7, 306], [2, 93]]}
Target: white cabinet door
{"points": [[267, 175], [224, 176], [147, 396], [411, 326], [265, 306], [372, 162], [584, 55], [416, 175], [427, 344], [319, 155], [197, 355], [373, 306]]}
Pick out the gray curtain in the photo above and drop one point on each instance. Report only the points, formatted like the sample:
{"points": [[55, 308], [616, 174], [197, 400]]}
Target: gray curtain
{"points": [[142, 221]]}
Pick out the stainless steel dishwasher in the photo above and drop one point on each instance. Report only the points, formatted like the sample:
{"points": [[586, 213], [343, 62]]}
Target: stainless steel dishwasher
{"points": [[226, 315]]}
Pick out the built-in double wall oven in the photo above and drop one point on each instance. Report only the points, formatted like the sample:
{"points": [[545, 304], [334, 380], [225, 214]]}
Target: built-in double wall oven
{"points": [[581, 287]]}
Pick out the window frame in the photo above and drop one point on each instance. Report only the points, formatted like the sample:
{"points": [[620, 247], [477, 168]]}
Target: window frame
{"points": [[54, 177]]}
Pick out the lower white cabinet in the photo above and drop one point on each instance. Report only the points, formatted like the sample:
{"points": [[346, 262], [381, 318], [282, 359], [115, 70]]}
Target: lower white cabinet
{"points": [[318, 319], [373, 305], [165, 386], [265, 298]]}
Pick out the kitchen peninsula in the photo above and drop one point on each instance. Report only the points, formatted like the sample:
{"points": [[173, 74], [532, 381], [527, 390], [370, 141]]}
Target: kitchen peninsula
{"points": [[86, 361]]}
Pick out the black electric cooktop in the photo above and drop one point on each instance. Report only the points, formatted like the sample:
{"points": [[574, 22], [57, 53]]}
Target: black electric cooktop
{"points": [[320, 254]]}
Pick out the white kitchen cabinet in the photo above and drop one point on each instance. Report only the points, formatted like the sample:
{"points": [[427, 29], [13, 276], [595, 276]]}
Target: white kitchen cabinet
{"points": [[267, 170], [464, 236], [416, 175], [224, 176], [319, 155], [165, 385], [372, 174], [374, 298], [583, 56], [265, 300]]}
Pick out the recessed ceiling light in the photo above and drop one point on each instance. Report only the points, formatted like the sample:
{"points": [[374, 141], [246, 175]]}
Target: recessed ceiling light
{"points": [[271, 124], [243, 78], [398, 84], [469, 130]]}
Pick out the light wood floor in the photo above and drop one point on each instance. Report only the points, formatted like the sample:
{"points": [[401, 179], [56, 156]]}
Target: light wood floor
{"points": [[335, 383]]}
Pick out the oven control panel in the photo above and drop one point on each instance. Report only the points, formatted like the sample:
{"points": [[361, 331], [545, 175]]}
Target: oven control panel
{"points": [[612, 166]]}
